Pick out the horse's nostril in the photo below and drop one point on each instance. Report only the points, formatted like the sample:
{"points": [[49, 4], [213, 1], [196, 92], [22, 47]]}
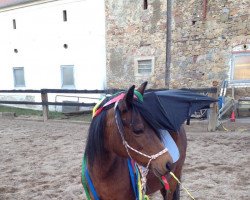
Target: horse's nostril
{"points": [[169, 166]]}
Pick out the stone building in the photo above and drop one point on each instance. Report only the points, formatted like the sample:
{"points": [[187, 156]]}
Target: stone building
{"points": [[210, 41]]}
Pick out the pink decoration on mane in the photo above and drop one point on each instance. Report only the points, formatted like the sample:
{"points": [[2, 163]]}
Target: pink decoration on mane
{"points": [[114, 100], [118, 98]]}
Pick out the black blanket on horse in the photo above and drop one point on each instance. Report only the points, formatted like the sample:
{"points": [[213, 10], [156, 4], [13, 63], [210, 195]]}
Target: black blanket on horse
{"points": [[171, 108]]}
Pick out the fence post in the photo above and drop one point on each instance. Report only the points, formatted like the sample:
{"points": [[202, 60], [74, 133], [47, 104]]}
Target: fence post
{"points": [[213, 115], [44, 96]]}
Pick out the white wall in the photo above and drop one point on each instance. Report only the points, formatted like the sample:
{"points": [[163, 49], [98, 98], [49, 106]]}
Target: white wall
{"points": [[39, 38]]}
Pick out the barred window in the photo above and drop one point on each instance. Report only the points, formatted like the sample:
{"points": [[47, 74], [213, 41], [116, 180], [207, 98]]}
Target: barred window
{"points": [[144, 66]]}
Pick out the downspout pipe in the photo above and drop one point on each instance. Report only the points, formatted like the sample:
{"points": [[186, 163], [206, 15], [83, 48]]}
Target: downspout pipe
{"points": [[168, 43]]}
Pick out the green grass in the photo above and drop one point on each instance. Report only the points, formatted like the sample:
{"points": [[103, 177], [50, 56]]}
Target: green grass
{"points": [[52, 114], [20, 111]]}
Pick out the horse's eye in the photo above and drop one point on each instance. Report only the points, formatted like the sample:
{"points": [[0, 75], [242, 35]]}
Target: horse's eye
{"points": [[138, 129]]}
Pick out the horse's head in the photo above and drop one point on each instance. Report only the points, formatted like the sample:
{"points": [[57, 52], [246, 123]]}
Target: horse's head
{"points": [[134, 133], [128, 130]]}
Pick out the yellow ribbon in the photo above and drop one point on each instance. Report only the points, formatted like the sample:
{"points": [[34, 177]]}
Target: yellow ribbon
{"points": [[96, 106], [172, 174], [141, 197]]}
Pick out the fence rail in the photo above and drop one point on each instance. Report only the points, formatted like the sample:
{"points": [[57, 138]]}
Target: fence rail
{"points": [[63, 91], [48, 103], [45, 92], [108, 91], [213, 91]]}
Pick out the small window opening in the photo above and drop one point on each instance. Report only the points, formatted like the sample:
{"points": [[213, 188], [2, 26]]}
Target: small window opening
{"points": [[65, 46], [65, 16], [193, 22], [15, 50], [145, 4], [14, 23], [245, 46]]}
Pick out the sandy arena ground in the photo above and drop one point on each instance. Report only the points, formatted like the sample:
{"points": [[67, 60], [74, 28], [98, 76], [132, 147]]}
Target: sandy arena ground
{"points": [[43, 161]]}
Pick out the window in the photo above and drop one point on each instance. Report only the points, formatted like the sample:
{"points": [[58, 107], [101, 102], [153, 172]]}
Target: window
{"points": [[65, 46], [240, 68], [18, 73], [65, 15], [145, 4], [14, 23], [144, 66], [67, 76]]}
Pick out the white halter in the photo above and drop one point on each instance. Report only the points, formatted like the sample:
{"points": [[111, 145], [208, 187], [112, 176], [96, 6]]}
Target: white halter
{"points": [[143, 171]]}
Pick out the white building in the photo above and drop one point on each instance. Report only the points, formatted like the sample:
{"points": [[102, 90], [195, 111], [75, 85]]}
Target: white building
{"points": [[52, 44]]}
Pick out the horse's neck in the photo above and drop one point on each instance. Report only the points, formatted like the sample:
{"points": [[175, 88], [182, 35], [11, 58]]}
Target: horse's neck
{"points": [[106, 167], [111, 178]]}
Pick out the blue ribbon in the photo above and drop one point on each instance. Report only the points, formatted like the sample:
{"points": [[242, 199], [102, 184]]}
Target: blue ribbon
{"points": [[133, 179], [91, 185]]}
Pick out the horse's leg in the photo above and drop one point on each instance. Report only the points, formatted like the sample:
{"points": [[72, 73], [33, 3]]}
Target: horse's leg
{"points": [[181, 141], [176, 195], [164, 194]]}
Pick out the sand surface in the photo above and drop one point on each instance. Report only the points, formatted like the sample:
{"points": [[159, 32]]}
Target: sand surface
{"points": [[43, 161]]}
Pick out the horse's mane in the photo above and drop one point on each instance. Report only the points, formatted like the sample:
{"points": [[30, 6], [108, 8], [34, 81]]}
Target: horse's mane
{"points": [[95, 141]]}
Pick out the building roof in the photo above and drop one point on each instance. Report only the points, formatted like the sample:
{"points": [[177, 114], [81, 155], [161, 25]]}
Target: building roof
{"points": [[9, 3]]}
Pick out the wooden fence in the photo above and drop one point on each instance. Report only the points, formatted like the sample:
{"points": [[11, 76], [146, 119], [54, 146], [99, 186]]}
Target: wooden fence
{"points": [[213, 92]]}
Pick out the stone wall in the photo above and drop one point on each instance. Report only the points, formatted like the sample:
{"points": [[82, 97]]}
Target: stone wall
{"points": [[132, 32], [202, 40]]}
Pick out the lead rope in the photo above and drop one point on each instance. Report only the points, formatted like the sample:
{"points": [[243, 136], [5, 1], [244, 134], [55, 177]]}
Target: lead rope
{"points": [[143, 171], [186, 190]]}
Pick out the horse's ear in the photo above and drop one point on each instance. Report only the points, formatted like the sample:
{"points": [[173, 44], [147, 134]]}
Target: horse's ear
{"points": [[129, 96], [142, 87]]}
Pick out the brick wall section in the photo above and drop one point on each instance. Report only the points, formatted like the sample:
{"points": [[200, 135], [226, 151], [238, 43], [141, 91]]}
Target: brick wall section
{"points": [[202, 44]]}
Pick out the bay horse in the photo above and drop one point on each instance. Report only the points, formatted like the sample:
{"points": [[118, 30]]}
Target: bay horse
{"points": [[123, 129]]}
